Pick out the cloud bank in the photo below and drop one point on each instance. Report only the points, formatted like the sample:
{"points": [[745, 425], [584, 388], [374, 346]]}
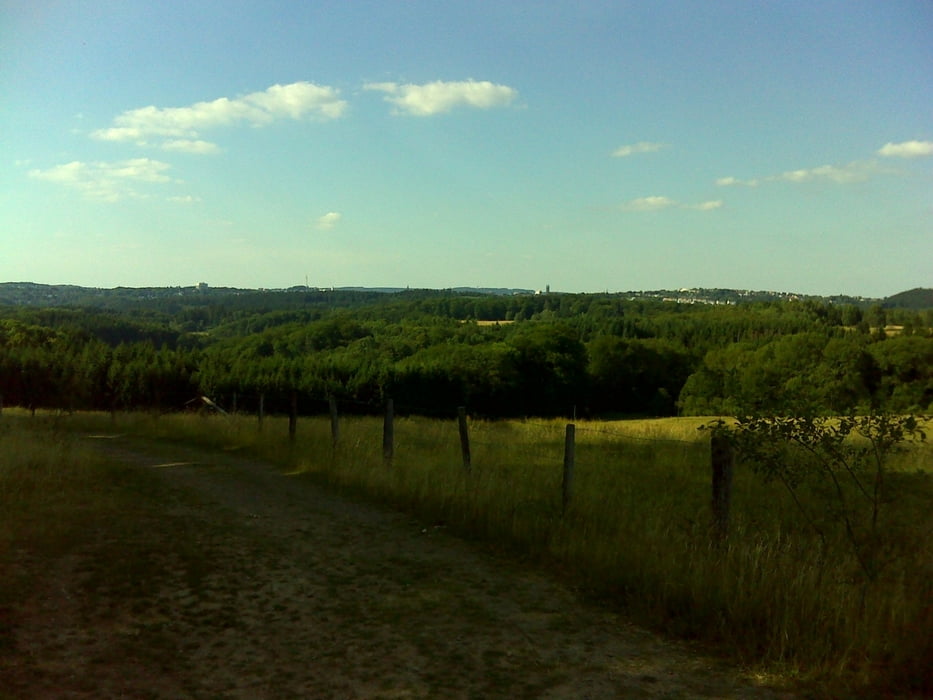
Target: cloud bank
{"points": [[179, 129], [181, 126], [440, 97]]}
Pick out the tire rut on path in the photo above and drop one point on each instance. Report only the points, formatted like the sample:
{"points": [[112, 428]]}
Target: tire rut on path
{"points": [[303, 593]]}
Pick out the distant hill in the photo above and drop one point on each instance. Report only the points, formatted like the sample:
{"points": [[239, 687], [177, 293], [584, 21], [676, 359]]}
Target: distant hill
{"points": [[122, 298], [32, 294], [701, 295], [494, 291], [914, 299], [46, 295]]}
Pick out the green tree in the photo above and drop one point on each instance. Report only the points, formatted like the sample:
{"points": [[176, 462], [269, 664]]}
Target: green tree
{"points": [[906, 373], [636, 376], [551, 364]]}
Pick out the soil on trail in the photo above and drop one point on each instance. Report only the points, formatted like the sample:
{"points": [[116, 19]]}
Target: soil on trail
{"points": [[270, 586]]}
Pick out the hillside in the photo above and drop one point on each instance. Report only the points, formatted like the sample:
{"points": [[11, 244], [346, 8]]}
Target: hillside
{"points": [[915, 299]]}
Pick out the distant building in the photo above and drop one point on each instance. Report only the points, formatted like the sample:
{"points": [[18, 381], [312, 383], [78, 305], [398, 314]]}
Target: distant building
{"points": [[201, 286]]}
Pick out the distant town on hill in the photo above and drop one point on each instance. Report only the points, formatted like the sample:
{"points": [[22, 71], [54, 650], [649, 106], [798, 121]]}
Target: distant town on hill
{"points": [[32, 294]]}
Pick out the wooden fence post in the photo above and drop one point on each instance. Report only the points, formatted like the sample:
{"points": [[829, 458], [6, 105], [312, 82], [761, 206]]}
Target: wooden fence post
{"points": [[388, 433], [569, 458], [293, 416], [464, 437], [334, 423], [262, 408], [722, 462]]}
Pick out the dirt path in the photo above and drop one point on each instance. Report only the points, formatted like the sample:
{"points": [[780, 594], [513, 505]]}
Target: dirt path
{"points": [[280, 589]]}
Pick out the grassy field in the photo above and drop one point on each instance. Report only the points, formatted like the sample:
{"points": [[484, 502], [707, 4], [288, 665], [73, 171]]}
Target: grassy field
{"points": [[52, 491], [637, 532], [63, 506]]}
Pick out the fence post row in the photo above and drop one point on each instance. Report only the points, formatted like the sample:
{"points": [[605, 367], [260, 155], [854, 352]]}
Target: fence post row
{"points": [[721, 455], [464, 437], [388, 433], [722, 461], [569, 458]]}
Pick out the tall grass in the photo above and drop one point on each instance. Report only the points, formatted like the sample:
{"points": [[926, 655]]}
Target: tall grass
{"points": [[48, 485], [638, 529], [60, 498]]}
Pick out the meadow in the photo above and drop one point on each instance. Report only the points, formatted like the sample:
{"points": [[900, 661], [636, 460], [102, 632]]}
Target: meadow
{"points": [[637, 533]]}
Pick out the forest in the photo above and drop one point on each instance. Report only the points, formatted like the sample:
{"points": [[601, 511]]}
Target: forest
{"points": [[554, 354]]}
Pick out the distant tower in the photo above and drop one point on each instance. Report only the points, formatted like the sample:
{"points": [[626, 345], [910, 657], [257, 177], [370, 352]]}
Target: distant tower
{"points": [[547, 289]]}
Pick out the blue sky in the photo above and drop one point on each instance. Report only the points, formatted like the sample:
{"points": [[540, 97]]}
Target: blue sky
{"points": [[588, 146]]}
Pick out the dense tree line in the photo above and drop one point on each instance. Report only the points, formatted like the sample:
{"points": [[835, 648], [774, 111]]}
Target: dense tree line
{"points": [[500, 356]]}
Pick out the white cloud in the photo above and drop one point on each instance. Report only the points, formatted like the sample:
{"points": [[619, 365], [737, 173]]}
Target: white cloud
{"points": [[120, 133], [66, 173], [841, 174], [657, 203], [857, 171], [907, 149], [191, 146], [106, 181], [181, 124], [185, 199], [298, 99], [732, 181], [440, 96], [142, 169], [649, 203], [640, 147], [328, 221]]}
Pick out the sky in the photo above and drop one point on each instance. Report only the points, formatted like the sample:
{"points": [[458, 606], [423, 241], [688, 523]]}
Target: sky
{"points": [[585, 145]]}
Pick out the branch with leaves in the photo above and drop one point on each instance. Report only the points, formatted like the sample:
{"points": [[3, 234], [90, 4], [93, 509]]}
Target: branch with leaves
{"points": [[843, 461]]}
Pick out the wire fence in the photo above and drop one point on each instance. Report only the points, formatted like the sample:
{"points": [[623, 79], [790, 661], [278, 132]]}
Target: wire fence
{"points": [[543, 441], [310, 404]]}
